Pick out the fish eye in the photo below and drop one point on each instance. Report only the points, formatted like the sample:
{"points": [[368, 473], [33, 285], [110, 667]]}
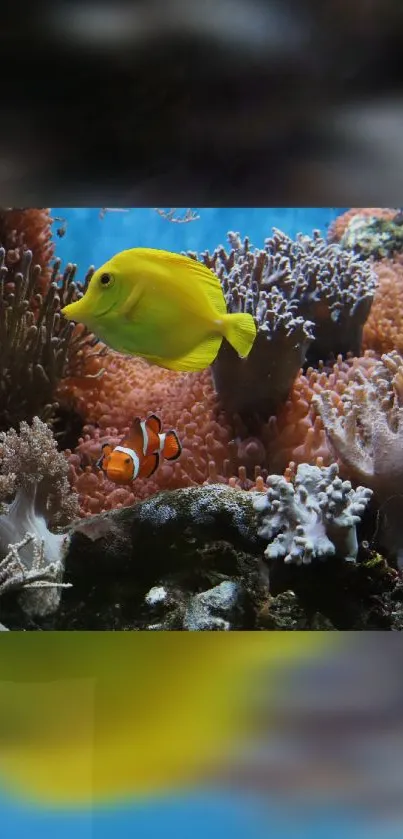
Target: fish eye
{"points": [[127, 460], [106, 280]]}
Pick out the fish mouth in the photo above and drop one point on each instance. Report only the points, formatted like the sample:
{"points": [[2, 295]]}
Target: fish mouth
{"points": [[116, 477]]}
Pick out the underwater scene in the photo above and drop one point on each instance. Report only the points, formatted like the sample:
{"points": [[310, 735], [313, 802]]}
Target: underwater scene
{"points": [[201, 419], [200, 432]]}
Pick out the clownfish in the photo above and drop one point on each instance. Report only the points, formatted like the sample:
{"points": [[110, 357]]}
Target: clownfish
{"points": [[138, 454]]}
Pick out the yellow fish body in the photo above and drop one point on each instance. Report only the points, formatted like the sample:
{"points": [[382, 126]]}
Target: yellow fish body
{"points": [[162, 306], [101, 717]]}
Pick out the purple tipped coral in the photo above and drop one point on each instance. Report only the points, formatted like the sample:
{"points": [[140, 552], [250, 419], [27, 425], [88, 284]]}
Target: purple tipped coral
{"points": [[310, 299]]}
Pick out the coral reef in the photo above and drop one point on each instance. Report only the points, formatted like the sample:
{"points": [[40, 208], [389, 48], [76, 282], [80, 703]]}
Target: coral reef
{"points": [[339, 226], [297, 291], [128, 388], [314, 517], [37, 498], [374, 237], [296, 433], [383, 330], [368, 439], [193, 559], [37, 345], [28, 230]]}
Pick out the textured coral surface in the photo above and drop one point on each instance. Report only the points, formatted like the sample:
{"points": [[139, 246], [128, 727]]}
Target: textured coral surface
{"points": [[339, 226], [383, 330]]}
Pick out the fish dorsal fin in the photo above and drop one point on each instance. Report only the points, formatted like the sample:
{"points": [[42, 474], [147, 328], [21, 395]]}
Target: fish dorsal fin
{"points": [[188, 270], [208, 280], [135, 438], [154, 423]]}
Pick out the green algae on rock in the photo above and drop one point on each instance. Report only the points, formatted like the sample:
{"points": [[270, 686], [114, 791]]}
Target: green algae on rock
{"points": [[374, 237]]}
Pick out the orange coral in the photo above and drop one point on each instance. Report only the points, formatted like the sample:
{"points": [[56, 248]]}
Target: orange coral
{"points": [[383, 330], [188, 403], [129, 388], [28, 229], [296, 434], [339, 226]]}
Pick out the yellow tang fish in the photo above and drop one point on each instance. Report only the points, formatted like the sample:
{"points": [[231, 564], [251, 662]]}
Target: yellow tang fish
{"points": [[102, 717], [166, 308]]}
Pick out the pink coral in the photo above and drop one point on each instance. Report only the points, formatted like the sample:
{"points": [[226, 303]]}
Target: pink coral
{"points": [[128, 388], [383, 330]]}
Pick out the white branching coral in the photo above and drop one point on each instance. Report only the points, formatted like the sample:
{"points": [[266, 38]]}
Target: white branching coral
{"points": [[312, 518], [36, 497], [368, 437]]}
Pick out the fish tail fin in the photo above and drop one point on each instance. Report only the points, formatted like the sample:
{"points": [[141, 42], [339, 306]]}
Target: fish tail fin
{"points": [[240, 331], [172, 447]]}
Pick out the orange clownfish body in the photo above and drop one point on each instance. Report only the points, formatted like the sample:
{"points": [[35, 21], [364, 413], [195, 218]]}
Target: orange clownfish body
{"points": [[138, 455]]}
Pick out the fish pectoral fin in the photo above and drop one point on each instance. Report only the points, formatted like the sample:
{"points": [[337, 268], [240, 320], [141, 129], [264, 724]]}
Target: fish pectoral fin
{"points": [[130, 303], [149, 465], [106, 449], [172, 446]]}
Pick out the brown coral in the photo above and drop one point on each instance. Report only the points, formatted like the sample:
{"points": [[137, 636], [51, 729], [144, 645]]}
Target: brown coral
{"points": [[307, 297], [37, 344], [339, 226], [28, 229]]}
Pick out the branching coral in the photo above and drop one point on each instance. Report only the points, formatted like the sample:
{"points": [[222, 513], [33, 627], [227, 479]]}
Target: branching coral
{"points": [[312, 518], [36, 497], [297, 291], [28, 230], [37, 344]]}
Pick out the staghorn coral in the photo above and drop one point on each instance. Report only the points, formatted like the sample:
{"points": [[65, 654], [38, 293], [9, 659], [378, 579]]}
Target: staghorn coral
{"points": [[297, 291], [28, 230], [339, 226], [314, 517], [383, 330], [36, 498], [37, 345]]}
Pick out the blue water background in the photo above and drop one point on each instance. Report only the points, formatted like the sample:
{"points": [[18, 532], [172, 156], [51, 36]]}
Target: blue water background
{"points": [[91, 240], [204, 816]]}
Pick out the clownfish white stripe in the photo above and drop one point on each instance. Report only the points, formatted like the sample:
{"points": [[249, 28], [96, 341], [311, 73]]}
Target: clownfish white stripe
{"points": [[162, 441], [132, 454], [145, 436]]}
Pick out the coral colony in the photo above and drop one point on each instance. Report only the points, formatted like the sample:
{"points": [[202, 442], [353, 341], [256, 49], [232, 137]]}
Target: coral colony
{"points": [[289, 484]]}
